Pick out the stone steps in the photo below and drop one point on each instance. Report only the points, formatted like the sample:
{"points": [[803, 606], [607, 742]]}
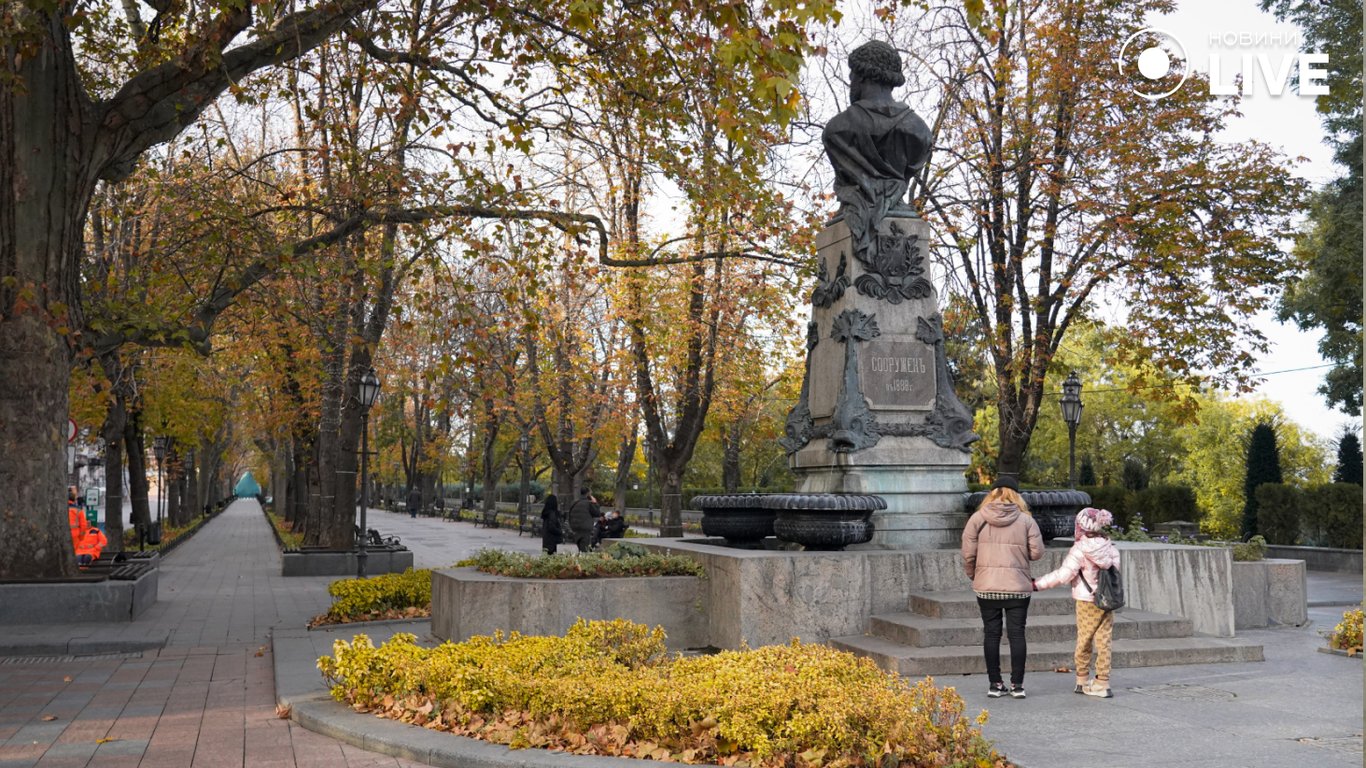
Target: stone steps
{"points": [[967, 659], [925, 632], [962, 604], [942, 635]]}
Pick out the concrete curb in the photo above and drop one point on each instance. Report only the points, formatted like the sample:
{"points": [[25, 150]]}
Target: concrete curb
{"points": [[79, 646], [1339, 652]]}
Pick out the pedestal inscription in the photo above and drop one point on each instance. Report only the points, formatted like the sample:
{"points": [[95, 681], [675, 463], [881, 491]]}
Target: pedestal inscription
{"points": [[898, 373]]}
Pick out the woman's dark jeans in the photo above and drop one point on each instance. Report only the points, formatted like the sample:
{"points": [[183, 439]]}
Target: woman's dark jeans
{"points": [[1015, 611]]}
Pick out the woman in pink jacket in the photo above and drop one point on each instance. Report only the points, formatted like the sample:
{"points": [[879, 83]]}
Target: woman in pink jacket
{"points": [[1092, 552], [999, 541]]}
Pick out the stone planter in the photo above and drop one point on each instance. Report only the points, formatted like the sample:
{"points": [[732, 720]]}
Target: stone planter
{"points": [[119, 596], [1269, 593], [331, 562], [468, 602], [740, 519], [824, 521], [1053, 510]]}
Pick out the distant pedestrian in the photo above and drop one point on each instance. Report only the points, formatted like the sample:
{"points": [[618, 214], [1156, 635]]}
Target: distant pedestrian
{"points": [[999, 541], [414, 502], [552, 528], [76, 519], [1092, 552], [582, 514]]}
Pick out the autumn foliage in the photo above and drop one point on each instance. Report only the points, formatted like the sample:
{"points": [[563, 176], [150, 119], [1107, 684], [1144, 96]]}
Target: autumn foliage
{"points": [[609, 688]]}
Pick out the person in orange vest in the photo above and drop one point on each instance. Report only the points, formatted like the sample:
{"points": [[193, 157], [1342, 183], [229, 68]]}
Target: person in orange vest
{"points": [[94, 542], [75, 517]]}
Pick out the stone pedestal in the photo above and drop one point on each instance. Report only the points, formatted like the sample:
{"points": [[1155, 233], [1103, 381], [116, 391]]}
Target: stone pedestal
{"points": [[878, 414]]}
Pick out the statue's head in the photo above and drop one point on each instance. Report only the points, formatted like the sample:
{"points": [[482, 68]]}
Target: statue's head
{"points": [[876, 62]]}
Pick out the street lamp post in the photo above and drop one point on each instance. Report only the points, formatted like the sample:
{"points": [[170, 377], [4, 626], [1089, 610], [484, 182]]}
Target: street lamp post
{"points": [[159, 446], [1071, 413], [523, 446], [369, 391]]}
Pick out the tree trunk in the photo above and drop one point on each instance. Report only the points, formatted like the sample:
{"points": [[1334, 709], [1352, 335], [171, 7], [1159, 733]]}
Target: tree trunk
{"points": [[730, 456], [191, 485], [171, 476], [137, 472], [625, 456], [45, 187], [671, 503], [112, 434]]}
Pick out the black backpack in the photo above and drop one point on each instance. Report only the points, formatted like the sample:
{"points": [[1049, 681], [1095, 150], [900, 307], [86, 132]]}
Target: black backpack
{"points": [[1109, 589]]}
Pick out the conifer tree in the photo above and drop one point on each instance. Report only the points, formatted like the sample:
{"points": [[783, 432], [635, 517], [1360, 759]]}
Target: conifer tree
{"points": [[1349, 459], [1263, 466]]}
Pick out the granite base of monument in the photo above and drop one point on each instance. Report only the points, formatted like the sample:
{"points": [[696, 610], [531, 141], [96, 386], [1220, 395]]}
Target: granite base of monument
{"points": [[762, 596], [877, 412]]}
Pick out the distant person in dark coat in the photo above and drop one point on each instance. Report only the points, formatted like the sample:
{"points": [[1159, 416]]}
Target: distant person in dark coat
{"points": [[414, 502], [552, 528], [582, 514]]}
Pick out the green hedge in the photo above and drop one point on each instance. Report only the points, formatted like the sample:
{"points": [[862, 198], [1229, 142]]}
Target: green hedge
{"points": [[1278, 512], [1164, 503], [1112, 497], [1330, 516]]}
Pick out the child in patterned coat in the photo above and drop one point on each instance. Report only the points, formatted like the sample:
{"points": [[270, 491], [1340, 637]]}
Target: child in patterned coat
{"points": [[1092, 552]]}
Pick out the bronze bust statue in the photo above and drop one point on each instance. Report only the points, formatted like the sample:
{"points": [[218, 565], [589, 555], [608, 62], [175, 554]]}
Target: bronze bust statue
{"points": [[876, 145]]}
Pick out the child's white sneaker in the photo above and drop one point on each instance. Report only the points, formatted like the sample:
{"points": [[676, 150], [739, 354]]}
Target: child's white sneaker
{"points": [[1098, 689]]}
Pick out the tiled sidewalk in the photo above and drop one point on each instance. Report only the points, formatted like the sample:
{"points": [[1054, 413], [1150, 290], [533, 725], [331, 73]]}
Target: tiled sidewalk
{"points": [[206, 699]]}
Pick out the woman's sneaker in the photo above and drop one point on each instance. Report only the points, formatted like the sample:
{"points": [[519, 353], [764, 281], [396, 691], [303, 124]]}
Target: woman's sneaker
{"points": [[1017, 692], [1098, 689], [996, 691]]}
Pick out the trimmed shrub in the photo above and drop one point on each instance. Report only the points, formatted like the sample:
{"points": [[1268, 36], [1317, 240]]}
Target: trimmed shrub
{"points": [[376, 596], [1263, 466], [1164, 503], [1278, 512], [1331, 516], [1112, 497], [619, 559], [608, 688], [1349, 459]]}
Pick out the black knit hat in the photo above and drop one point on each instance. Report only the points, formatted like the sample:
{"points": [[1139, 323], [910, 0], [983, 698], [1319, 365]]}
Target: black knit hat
{"points": [[1007, 481]]}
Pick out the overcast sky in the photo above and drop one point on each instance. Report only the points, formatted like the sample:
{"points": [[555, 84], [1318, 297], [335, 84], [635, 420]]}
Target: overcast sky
{"points": [[1290, 122]]}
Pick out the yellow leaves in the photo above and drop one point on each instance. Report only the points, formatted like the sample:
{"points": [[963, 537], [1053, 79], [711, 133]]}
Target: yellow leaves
{"points": [[1347, 635], [584, 693]]}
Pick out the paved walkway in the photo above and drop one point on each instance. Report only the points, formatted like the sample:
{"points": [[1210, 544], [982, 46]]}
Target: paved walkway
{"points": [[204, 700], [203, 695]]}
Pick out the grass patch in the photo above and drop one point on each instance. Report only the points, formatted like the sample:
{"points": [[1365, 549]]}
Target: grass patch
{"points": [[610, 688], [619, 559], [288, 537]]}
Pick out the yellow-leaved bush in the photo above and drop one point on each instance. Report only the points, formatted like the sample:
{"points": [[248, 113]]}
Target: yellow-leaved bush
{"points": [[1347, 635], [354, 599], [610, 687]]}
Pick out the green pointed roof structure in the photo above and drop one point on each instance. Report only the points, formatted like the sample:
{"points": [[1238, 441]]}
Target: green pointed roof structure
{"points": [[246, 487]]}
